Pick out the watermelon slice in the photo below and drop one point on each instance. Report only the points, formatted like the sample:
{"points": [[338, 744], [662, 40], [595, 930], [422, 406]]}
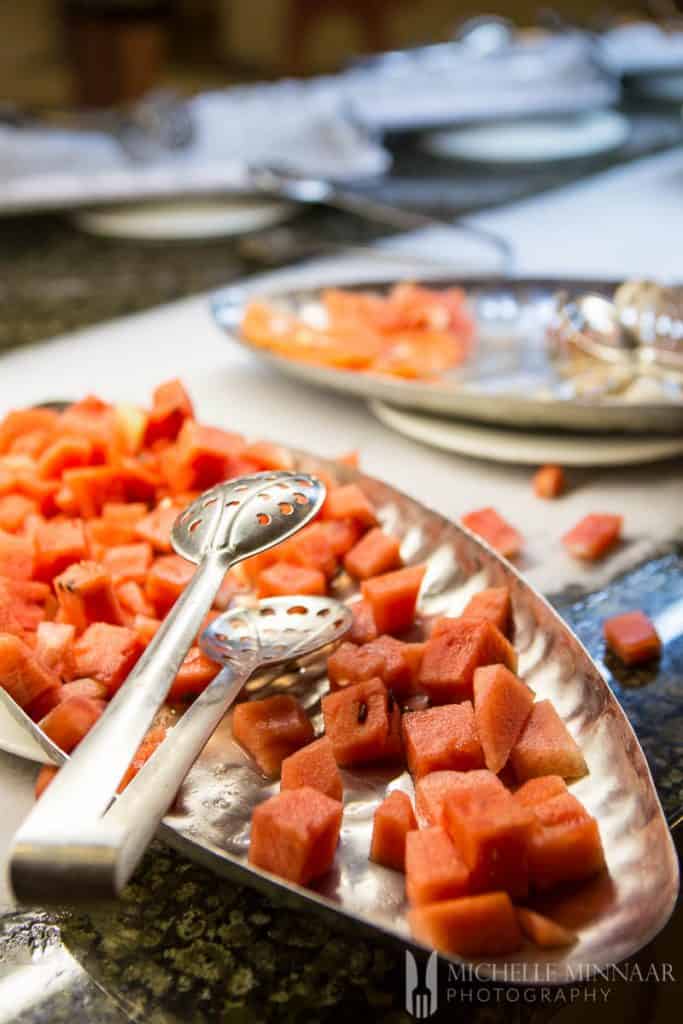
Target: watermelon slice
{"points": [[375, 553], [474, 926], [632, 637], [393, 597], [363, 723], [271, 729], [434, 870], [454, 650], [502, 704], [394, 819], [295, 834], [314, 765], [443, 738], [545, 747], [492, 604]]}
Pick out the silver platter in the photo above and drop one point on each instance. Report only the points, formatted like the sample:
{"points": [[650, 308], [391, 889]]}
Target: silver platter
{"points": [[511, 377], [615, 916]]}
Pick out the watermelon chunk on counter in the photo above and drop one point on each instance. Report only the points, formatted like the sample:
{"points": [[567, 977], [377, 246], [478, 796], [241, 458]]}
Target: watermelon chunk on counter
{"points": [[502, 705], [542, 931], [493, 604], [454, 650], [443, 738], [488, 524], [549, 482], [374, 554], [632, 637], [393, 820], [386, 658], [86, 595], [545, 747], [283, 578], [434, 869], [107, 653], [271, 729], [491, 834], [593, 536], [295, 834], [71, 720], [473, 926], [363, 628], [59, 543], [349, 502], [393, 598], [433, 791], [363, 723], [313, 765], [17, 556]]}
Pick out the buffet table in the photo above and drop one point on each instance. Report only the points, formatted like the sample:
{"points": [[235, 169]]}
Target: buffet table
{"points": [[181, 940]]}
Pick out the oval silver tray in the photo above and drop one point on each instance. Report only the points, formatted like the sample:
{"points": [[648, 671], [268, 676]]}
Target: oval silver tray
{"points": [[510, 379], [615, 914]]}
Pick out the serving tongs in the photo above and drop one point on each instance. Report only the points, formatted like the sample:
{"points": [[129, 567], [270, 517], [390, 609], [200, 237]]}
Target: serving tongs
{"points": [[68, 844]]}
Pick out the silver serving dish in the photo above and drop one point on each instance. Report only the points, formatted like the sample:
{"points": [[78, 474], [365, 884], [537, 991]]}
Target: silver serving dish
{"points": [[614, 916], [514, 377]]}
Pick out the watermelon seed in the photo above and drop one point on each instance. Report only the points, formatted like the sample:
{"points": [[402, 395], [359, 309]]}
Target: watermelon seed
{"points": [[362, 712]]}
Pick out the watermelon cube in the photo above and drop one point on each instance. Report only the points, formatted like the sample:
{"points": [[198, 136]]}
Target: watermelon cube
{"points": [[502, 704], [432, 791], [284, 578], [549, 482], [488, 524], [536, 791], [632, 637], [545, 747], [443, 738], [363, 723], [349, 502], [313, 765], [594, 536], [375, 553], [569, 851], [393, 598], [394, 819], [295, 834], [542, 931], [85, 594], [473, 926], [455, 649], [434, 870], [385, 658], [492, 604], [363, 628], [271, 729]]}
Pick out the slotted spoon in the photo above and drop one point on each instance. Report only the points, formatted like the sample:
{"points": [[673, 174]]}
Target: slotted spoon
{"points": [[65, 841]]}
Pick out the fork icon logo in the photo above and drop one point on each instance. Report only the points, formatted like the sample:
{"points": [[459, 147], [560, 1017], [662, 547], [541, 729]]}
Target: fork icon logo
{"points": [[421, 992]]}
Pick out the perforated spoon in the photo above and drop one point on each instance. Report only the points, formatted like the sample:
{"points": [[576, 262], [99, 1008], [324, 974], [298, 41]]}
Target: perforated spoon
{"points": [[65, 841]]}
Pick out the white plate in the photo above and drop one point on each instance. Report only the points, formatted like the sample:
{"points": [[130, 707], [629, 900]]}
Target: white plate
{"points": [[195, 218], [524, 142], [523, 447]]}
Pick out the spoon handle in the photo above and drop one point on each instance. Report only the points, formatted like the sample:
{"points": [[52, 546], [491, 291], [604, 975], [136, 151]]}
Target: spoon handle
{"points": [[65, 832], [145, 800]]}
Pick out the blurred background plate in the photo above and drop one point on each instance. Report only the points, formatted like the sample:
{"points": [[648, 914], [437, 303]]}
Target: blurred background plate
{"points": [[198, 218], [510, 379], [526, 447]]}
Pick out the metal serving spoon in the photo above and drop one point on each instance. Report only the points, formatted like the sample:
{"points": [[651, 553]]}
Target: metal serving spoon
{"points": [[65, 836], [276, 631]]}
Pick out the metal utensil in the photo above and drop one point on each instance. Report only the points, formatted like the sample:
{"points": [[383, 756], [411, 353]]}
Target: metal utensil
{"points": [[276, 631], [65, 840]]}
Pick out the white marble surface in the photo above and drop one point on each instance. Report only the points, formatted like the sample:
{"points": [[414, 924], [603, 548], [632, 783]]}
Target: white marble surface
{"points": [[626, 221]]}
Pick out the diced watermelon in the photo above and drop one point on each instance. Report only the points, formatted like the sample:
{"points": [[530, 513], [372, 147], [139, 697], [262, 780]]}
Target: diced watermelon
{"points": [[342, 534], [434, 869], [440, 739], [375, 553], [22, 675], [91, 688], [283, 578], [86, 595], [549, 482], [491, 834], [24, 421], [594, 536], [107, 653], [349, 502], [271, 729], [540, 789], [502, 704], [146, 627], [363, 723], [133, 599], [545, 747], [64, 453], [313, 765], [496, 531], [393, 598], [154, 738], [559, 809], [59, 543], [128, 561], [267, 455], [156, 526], [432, 791], [363, 628], [295, 834], [393, 820], [564, 844], [86, 489], [54, 643], [385, 658], [171, 406], [454, 650], [492, 604], [542, 931], [70, 720], [14, 508], [194, 675], [310, 548], [21, 608], [203, 456], [474, 926], [632, 637], [17, 557], [166, 580]]}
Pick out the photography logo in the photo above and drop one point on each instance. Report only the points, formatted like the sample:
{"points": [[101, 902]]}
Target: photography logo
{"points": [[422, 996]]}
